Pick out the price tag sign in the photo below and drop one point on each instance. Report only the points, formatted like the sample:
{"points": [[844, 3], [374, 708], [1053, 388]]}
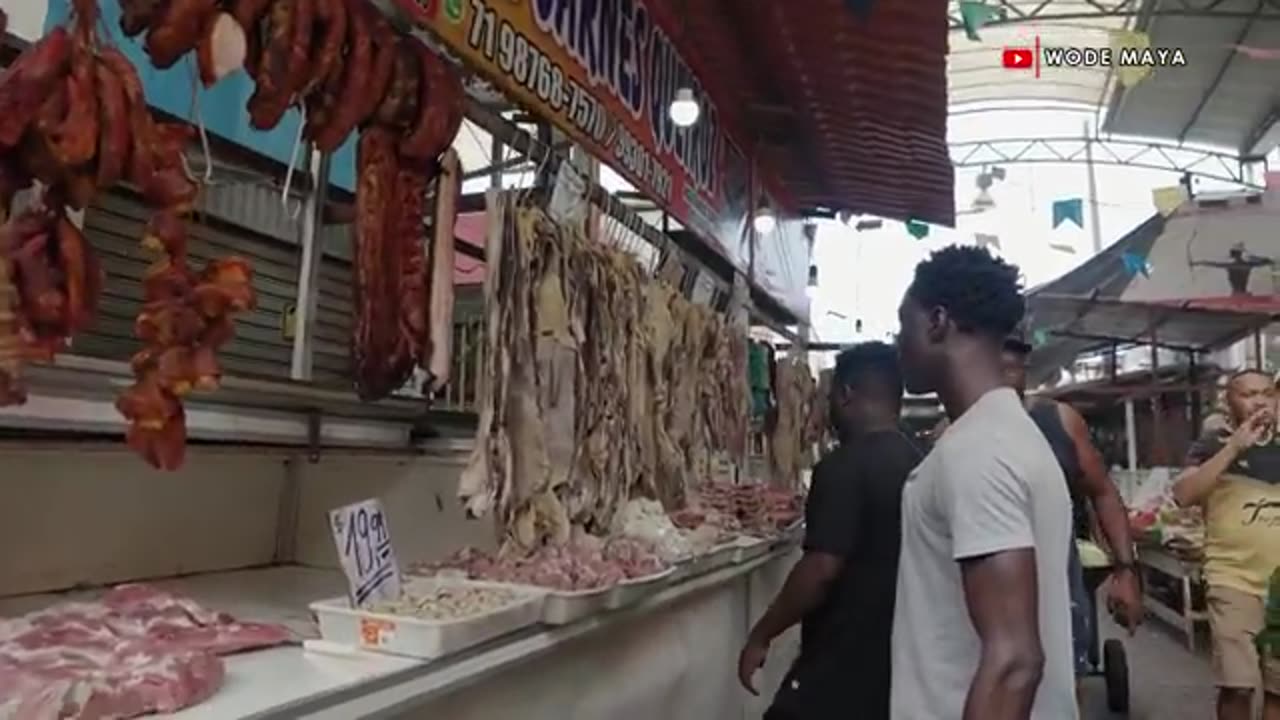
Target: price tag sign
{"points": [[569, 196], [363, 540]]}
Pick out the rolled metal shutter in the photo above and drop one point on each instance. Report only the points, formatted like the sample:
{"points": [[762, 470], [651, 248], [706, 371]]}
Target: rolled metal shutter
{"points": [[114, 226]]}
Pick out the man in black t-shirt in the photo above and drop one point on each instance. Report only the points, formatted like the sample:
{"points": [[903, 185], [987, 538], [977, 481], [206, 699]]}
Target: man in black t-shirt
{"points": [[842, 589]]}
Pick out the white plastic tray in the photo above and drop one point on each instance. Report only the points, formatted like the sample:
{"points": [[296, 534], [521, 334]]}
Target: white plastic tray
{"points": [[749, 548], [427, 639], [636, 589], [722, 555], [562, 608]]}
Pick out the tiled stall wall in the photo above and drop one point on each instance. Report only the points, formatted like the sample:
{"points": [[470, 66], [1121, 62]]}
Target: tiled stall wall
{"points": [[85, 517]]}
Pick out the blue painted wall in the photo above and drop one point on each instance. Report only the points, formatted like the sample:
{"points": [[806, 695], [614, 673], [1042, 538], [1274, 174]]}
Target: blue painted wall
{"points": [[222, 107]]}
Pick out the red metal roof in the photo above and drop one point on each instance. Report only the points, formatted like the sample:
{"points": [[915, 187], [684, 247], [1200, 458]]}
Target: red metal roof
{"points": [[1252, 304], [846, 113]]}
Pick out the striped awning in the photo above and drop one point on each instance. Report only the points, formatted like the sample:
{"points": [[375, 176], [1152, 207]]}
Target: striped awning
{"points": [[846, 112]]}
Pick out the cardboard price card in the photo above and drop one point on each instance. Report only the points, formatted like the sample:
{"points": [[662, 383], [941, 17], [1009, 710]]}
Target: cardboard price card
{"points": [[363, 540]]}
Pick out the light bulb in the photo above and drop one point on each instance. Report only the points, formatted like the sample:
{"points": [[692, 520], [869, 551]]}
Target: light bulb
{"points": [[684, 110], [764, 222], [811, 291]]}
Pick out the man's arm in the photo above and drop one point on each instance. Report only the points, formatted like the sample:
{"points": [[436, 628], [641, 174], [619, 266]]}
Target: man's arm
{"points": [[1001, 594], [1195, 483], [988, 506], [1209, 458], [1124, 592], [831, 514], [1095, 484], [803, 592]]}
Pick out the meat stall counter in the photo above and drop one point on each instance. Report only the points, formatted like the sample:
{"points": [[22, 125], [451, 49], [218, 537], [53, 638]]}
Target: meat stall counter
{"points": [[196, 569], [245, 532]]}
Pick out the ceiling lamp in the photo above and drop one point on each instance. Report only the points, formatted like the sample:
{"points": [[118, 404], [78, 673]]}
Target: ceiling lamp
{"points": [[983, 201], [684, 110], [764, 220]]}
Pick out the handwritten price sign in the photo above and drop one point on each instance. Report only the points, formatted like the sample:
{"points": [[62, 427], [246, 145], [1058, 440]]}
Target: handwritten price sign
{"points": [[363, 539]]}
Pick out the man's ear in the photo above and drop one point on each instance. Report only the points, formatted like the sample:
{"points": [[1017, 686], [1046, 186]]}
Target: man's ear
{"points": [[938, 320]]}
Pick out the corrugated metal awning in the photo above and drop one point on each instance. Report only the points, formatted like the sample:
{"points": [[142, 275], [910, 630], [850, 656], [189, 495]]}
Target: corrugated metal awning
{"points": [[1178, 325], [847, 113]]}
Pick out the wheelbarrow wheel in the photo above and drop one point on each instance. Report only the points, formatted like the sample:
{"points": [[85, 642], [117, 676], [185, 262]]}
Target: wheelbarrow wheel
{"points": [[1115, 669]]}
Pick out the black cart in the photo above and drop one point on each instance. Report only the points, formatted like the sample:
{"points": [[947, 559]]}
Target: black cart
{"points": [[1106, 660]]}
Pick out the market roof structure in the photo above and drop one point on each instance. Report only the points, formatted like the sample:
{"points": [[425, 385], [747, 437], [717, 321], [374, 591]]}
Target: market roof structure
{"points": [[1177, 325], [1224, 98], [1166, 281], [848, 112]]}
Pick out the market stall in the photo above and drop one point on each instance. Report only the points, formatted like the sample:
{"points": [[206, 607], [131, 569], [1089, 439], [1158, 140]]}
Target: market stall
{"points": [[1153, 415], [277, 536]]}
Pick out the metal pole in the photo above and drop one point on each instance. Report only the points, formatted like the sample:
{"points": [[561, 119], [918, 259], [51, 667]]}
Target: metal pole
{"points": [[1094, 219], [1130, 434], [309, 268], [495, 158]]}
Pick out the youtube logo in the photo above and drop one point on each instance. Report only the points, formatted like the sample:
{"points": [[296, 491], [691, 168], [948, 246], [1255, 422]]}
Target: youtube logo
{"points": [[1017, 58]]}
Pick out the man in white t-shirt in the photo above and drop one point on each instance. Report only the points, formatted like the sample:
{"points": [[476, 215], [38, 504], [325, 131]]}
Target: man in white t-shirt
{"points": [[982, 627]]}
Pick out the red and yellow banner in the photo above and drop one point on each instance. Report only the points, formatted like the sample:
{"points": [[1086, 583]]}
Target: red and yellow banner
{"points": [[604, 72]]}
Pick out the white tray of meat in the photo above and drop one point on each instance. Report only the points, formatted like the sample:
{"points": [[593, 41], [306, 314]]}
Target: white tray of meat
{"points": [[433, 618], [748, 548], [723, 555], [793, 533], [562, 608], [633, 590]]}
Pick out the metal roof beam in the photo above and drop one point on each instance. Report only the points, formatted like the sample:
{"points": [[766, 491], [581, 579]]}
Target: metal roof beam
{"points": [[1048, 10], [1222, 73], [1250, 146], [1131, 153]]}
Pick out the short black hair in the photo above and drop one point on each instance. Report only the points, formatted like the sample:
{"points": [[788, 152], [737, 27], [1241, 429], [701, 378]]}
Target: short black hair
{"points": [[980, 292], [870, 366]]}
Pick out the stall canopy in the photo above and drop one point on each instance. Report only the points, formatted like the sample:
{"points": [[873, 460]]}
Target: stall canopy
{"points": [[1101, 322], [1182, 261], [847, 112]]}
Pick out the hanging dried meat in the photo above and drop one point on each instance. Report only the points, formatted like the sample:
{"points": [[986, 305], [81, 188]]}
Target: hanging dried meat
{"points": [[347, 67], [600, 384], [76, 121], [794, 434]]}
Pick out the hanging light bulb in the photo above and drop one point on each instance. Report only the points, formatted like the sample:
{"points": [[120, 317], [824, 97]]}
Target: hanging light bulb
{"points": [[684, 109], [764, 221]]}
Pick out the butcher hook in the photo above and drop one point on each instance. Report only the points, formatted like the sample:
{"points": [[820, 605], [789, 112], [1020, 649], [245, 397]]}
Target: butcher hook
{"points": [[204, 134], [295, 209]]}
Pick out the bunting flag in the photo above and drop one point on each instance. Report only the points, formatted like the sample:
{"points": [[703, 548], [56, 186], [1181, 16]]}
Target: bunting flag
{"points": [[1130, 75], [987, 241], [1168, 199], [1135, 264], [1040, 337], [975, 15], [1064, 210], [918, 229], [1257, 53]]}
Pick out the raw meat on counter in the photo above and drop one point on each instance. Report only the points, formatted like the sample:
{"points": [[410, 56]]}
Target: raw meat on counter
{"points": [[761, 511], [587, 563], [445, 602], [135, 651]]}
